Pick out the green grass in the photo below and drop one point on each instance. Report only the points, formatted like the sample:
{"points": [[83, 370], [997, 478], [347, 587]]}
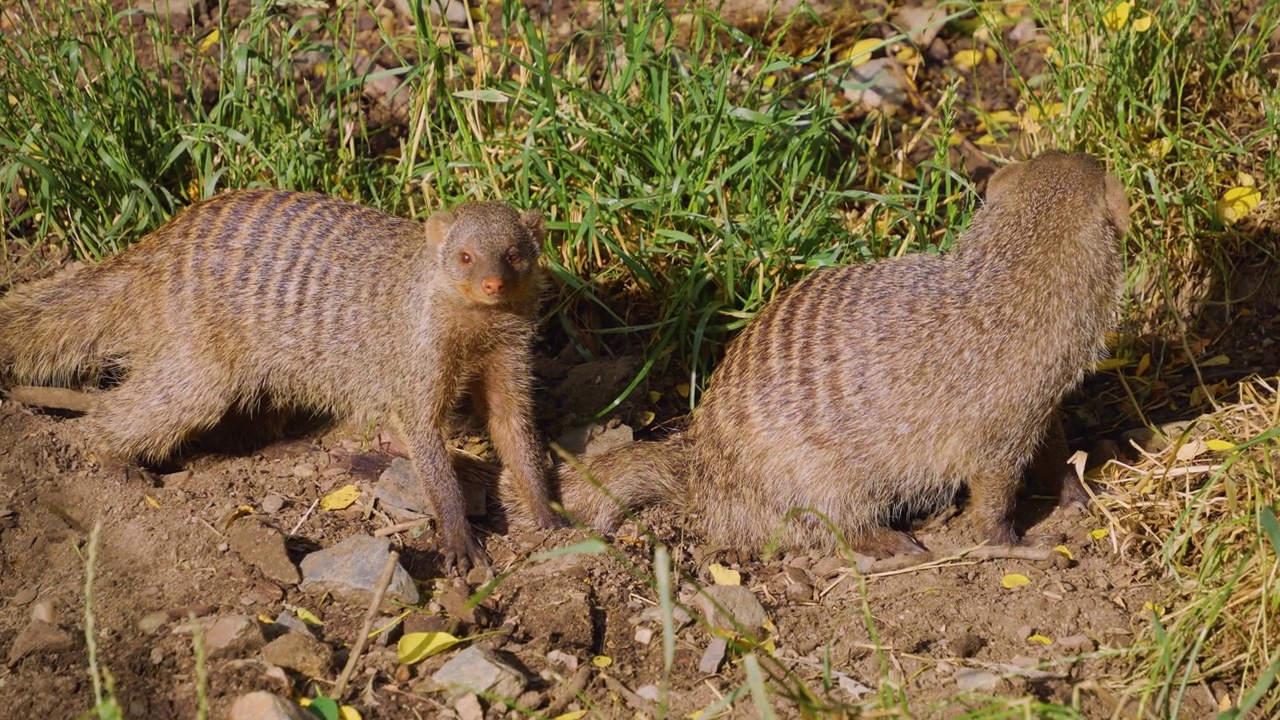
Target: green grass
{"points": [[686, 184]]}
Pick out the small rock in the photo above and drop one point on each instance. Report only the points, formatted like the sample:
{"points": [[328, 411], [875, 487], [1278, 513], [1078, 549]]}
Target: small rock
{"points": [[1076, 644], [644, 635], [400, 493], [39, 638], [176, 478], [44, 612], [829, 566], [263, 547], [292, 623], [468, 707], [799, 588], [1024, 661], [262, 705], [877, 85], [1024, 32], [855, 689], [530, 700], [974, 680], [709, 663], [303, 653], [233, 636], [569, 661], [350, 569], [921, 24], [272, 504], [476, 670], [649, 692], [653, 614], [24, 596], [741, 608], [153, 622], [157, 655], [964, 645], [304, 471]]}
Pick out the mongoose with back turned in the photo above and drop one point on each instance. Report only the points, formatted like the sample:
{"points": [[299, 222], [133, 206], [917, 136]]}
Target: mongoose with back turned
{"points": [[873, 390], [304, 301]]}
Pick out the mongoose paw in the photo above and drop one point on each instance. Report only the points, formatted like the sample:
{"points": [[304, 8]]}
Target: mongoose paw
{"points": [[883, 543], [1003, 534], [462, 552], [1075, 494], [548, 519]]}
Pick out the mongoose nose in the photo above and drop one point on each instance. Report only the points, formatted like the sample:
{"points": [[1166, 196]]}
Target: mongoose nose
{"points": [[492, 285]]}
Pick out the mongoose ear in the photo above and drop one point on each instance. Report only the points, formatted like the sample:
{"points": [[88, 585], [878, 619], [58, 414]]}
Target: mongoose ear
{"points": [[1001, 180], [1117, 205], [535, 224], [438, 226]]}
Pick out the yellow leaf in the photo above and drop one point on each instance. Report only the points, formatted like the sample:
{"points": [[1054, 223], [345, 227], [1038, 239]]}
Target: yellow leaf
{"points": [[209, 41], [1237, 202], [986, 139], [1114, 363], [646, 418], [991, 54], [1038, 638], [240, 511], [1013, 580], [1118, 16], [1099, 533], [1143, 364], [307, 616], [1143, 22], [907, 56], [575, 715], [1065, 551], [1003, 117], [724, 576], [1220, 445], [151, 501], [1159, 147], [340, 498], [602, 661], [13, 100], [1244, 179], [265, 620], [682, 390], [861, 51], [967, 59], [418, 646], [654, 396], [1191, 449], [1153, 607], [346, 712], [1215, 361]]}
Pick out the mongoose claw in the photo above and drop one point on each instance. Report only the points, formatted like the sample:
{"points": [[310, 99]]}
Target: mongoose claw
{"points": [[548, 519], [462, 553]]}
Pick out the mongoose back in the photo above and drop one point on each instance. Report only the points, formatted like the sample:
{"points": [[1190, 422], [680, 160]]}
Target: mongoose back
{"points": [[872, 390], [304, 301]]}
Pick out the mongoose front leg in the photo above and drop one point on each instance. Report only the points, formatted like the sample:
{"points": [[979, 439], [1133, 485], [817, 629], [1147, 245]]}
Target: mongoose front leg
{"points": [[991, 502], [508, 402], [431, 458]]}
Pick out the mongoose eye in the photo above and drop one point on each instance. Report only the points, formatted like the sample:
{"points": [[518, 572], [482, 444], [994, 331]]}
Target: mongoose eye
{"points": [[513, 255], [465, 258]]}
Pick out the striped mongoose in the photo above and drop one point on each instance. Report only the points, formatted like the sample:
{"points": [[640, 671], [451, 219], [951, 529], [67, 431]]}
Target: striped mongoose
{"points": [[873, 390], [304, 301]]}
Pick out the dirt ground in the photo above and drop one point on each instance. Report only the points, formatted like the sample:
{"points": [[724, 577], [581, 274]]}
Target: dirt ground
{"points": [[165, 553]]}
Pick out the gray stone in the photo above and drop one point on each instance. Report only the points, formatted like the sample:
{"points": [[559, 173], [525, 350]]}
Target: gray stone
{"points": [[877, 85], [477, 670], [303, 653], [272, 504], [739, 604], [468, 708], [400, 494], [709, 664], [974, 680], [233, 636], [262, 705], [263, 547], [350, 570], [39, 638], [1076, 643], [921, 24]]}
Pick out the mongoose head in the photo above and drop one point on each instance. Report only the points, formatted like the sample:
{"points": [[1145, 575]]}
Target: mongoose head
{"points": [[488, 251], [1074, 182]]}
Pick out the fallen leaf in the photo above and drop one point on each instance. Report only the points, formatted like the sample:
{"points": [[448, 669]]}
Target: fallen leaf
{"points": [[1153, 607], [908, 56], [240, 511], [151, 501], [340, 498], [602, 661], [307, 616], [1118, 16], [1003, 117], [654, 396], [861, 51], [722, 575], [1099, 533], [1114, 363], [1038, 638], [1215, 361], [1065, 551], [346, 712], [1159, 147], [1143, 21], [1013, 580], [1143, 364], [646, 418], [1192, 449], [575, 715], [1040, 112], [209, 41], [418, 646], [1237, 202], [682, 390], [1220, 445], [967, 59]]}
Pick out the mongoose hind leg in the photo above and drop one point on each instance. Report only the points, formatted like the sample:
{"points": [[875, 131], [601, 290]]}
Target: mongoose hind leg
{"points": [[1049, 471], [159, 406]]}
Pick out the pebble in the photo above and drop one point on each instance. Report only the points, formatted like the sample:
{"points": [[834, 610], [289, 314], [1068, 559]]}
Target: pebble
{"points": [[974, 680], [304, 472], [877, 85], [350, 569], [709, 663], [157, 655], [644, 635], [921, 24], [569, 661], [479, 671], [292, 623], [39, 638], [262, 705], [399, 494], [1023, 32], [303, 653], [272, 504], [24, 596], [741, 608], [44, 612], [648, 692], [153, 622], [468, 707], [233, 636], [1077, 643], [799, 588], [263, 547]]}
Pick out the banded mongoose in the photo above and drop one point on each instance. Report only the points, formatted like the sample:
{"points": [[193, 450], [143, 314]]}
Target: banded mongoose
{"points": [[873, 390], [304, 301]]}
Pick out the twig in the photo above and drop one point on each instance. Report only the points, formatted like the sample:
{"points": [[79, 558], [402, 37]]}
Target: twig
{"points": [[304, 517], [384, 580], [398, 527], [576, 685], [902, 563]]}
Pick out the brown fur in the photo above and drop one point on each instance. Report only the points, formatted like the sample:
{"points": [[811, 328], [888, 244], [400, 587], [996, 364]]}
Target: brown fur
{"points": [[873, 390], [304, 301]]}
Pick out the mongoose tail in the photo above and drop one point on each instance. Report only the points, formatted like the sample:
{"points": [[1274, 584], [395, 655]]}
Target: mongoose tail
{"points": [[61, 328], [599, 490]]}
